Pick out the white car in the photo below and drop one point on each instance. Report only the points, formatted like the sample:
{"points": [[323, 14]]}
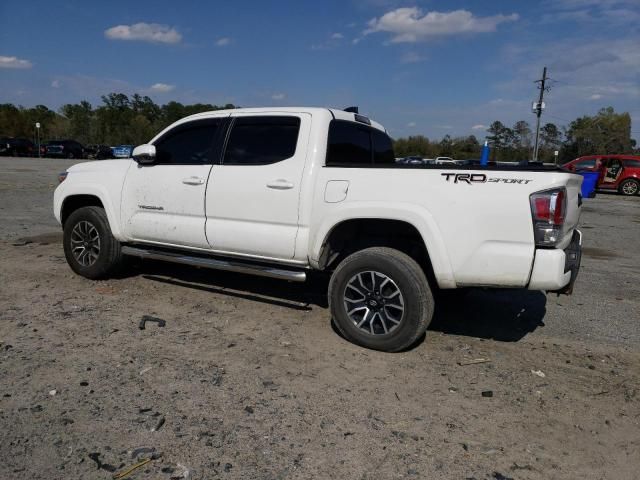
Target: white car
{"points": [[445, 161], [280, 192]]}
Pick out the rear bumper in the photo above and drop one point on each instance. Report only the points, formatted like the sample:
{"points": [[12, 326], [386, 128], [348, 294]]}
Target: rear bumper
{"points": [[556, 270]]}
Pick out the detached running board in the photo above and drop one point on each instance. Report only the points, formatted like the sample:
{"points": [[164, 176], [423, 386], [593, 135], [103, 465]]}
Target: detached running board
{"points": [[216, 264]]}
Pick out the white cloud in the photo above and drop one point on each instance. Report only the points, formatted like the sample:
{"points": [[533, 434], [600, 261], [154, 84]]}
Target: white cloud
{"points": [[161, 88], [412, 57], [412, 25], [601, 12], [334, 40], [576, 66], [595, 96], [145, 32], [479, 126], [56, 84], [14, 62], [223, 42], [572, 4], [411, 124], [278, 96]]}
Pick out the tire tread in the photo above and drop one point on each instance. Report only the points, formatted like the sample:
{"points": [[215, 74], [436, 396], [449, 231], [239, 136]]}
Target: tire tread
{"points": [[417, 278], [111, 262]]}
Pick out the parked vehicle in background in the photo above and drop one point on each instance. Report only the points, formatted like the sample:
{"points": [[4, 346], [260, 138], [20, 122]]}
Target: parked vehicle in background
{"points": [[98, 152], [17, 147], [616, 172], [279, 192], [445, 161], [122, 151], [414, 160], [63, 149], [475, 163]]}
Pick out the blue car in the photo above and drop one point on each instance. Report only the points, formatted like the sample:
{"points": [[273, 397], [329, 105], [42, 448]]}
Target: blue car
{"points": [[122, 151]]}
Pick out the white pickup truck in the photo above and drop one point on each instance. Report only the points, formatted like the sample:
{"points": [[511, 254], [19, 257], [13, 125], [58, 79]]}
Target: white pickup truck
{"points": [[279, 192]]}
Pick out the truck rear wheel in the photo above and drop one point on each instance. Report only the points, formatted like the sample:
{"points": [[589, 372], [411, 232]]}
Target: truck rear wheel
{"points": [[89, 246], [380, 298]]}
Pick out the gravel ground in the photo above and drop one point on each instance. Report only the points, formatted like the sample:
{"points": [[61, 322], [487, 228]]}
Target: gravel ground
{"points": [[247, 379]]}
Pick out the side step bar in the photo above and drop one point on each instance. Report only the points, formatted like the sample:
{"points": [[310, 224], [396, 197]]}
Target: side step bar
{"points": [[216, 264]]}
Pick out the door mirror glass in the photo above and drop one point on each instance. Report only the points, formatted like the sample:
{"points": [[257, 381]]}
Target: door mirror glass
{"points": [[144, 154]]}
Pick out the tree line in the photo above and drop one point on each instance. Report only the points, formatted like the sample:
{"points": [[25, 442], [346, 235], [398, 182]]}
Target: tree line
{"points": [[134, 120], [120, 119], [607, 132]]}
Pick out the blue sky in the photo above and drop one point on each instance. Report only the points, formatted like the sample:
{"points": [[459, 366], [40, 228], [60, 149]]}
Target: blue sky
{"points": [[418, 67]]}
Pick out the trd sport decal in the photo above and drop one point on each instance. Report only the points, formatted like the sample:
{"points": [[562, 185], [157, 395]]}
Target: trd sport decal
{"points": [[470, 178]]}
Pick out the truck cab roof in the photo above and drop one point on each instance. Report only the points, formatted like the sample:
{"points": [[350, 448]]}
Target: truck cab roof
{"points": [[334, 113]]}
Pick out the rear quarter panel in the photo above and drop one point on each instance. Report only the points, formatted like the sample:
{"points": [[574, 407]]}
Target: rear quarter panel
{"points": [[476, 233]]}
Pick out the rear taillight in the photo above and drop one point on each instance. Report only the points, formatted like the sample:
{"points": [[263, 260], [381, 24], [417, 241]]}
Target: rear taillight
{"points": [[548, 210]]}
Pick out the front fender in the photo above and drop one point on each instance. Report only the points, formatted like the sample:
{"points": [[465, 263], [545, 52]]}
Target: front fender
{"points": [[112, 209], [103, 180]]}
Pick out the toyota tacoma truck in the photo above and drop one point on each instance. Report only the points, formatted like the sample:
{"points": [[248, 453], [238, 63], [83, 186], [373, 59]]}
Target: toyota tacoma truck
{"points": [[281, 192]]}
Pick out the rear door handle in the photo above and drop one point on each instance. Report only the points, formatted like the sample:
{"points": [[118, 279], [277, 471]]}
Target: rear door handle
{"points": [[280, 184], [193, 181]]}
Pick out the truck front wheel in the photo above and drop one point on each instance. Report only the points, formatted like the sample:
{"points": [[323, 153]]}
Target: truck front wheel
{"points": [[380, 298], [89, 246]]}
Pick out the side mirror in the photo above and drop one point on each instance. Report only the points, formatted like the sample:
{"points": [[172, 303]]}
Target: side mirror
{"points": [[144, 154]]}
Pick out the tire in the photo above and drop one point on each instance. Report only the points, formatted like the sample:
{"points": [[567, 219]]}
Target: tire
{"points": [[386, 327], [629, 187], [70, 155], [81, 229]]}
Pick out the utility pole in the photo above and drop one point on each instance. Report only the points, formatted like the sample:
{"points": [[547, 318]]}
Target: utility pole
{"points": [[537, 108], [38, 134]]}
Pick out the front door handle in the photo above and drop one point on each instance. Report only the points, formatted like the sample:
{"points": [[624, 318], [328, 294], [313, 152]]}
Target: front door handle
{"points": [[193, 181], [280, 184]]}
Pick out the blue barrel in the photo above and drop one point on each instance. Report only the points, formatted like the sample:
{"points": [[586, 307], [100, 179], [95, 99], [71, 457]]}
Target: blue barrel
{"points": [[589, 182]]}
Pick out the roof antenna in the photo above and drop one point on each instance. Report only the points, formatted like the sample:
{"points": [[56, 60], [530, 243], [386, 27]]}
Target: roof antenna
{"points": [[351, 109]]}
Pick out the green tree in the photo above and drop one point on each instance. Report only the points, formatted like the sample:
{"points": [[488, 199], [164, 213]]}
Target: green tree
{"points": [[522, 140], [501, 138], [81, 121], [414, 145], [446, 146], [606, 132], [118, 120], [466, 147]]}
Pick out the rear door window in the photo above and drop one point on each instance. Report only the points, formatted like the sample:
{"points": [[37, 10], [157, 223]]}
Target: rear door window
{"points": [[382, 148], [262, 140], [353, 144], [349, 144]]}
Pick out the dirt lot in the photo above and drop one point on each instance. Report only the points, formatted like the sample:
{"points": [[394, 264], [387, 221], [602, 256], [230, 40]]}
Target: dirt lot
{"points": [[248, 379]]}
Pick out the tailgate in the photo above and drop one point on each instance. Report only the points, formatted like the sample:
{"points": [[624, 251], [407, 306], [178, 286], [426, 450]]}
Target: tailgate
{"points": [[574, 207]]}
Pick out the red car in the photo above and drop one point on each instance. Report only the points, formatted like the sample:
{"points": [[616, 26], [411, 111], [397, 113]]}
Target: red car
{"points": [[617, 172]]}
